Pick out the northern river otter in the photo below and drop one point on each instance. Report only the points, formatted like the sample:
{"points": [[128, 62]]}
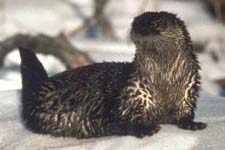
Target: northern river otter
{"points": [[160, 85]]}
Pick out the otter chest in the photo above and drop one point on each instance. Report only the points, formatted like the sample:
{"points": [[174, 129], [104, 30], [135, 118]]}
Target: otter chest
{"points": [[161, 100]]}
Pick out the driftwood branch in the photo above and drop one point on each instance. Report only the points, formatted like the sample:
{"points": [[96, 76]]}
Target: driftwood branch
{"points": [[101, 20], [98, 23], [58, 46], [216, 8]]}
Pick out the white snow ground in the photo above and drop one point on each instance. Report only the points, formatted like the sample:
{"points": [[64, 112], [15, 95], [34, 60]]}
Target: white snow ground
{"points": [[13, 136], [47, 17]]}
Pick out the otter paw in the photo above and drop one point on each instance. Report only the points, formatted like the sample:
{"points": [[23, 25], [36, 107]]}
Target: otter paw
{"points": [[154, 129], [192, 125], [149, 131], [139, 134]]}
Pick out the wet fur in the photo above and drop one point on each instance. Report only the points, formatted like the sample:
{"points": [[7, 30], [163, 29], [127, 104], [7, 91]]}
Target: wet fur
{"points": [[161, 85]]}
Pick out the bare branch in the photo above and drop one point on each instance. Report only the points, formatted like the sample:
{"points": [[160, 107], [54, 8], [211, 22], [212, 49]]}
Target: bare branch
{"points": [[58, 46]]}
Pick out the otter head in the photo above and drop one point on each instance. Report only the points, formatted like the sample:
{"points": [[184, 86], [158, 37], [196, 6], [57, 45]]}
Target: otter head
{"points": [[155, 30]]}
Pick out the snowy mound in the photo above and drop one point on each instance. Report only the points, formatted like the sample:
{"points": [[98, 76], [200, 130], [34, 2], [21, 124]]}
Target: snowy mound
{"points": [[13, 136]]}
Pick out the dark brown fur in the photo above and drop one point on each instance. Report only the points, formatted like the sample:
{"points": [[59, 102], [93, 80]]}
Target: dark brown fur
{"points": [[161, 85]]}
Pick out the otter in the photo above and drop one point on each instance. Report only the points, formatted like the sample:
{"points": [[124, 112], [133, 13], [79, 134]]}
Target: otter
{"points": [[160, 86]]}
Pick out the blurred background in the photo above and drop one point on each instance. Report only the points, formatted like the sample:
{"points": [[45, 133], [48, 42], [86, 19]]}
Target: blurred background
{"points": [[72, 33]]}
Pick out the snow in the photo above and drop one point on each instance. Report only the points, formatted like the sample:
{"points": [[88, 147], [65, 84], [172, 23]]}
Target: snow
{"points": [[13, 135], [44, 16]]}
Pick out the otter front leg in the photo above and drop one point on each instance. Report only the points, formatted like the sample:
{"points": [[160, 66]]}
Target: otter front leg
{"points": [[186, 122], [137, 122], [185, 114], [138, 112]]}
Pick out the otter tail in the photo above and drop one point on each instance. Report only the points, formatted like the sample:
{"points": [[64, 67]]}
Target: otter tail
{"points": [[33, 72]]}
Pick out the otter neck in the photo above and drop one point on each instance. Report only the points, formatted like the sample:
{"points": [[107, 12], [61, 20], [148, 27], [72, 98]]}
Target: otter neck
{"points": [[154, 59]]}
